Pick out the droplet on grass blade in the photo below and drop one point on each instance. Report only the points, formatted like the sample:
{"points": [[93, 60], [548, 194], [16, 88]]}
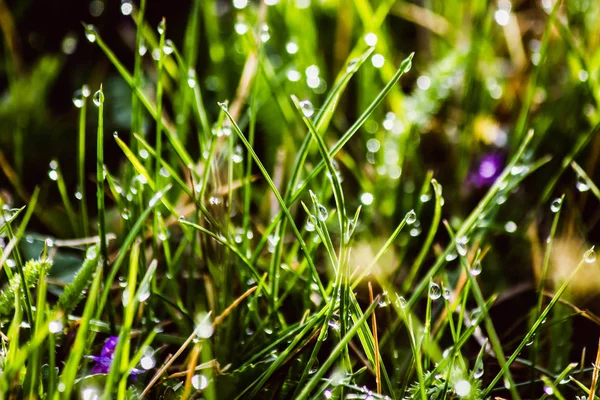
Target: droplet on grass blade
{"points": [[411, 217], [98, 98], [264, 33], [476, 268], [435, 292], [307, 108], [323, 214], [556, 204], [581, 184], [199, 382], [590, 256], [91, 33]]}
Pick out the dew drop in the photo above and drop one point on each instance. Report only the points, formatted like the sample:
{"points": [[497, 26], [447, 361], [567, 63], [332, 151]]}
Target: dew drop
{"points": [[147, 362], [199, 382], [590, 256], [307, 108], [581, 184], [91, 33], [55, 326], [411, 217], [510, 227], [314, 367], [204, 328], [191, 78], [323, 214], [53, 174], [556, 204], [98, 98], [310, 227], [352, 65], [476, 268], [446, 294], [401, 302], [264, 33], [162, 25], [78, 98], [384, 301], [451, 256], [462, 387], [238, 154], [434, 291], [478, 372]]}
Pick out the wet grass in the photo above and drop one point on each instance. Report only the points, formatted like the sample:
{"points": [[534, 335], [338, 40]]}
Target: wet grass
{"points": [[315, 201]]}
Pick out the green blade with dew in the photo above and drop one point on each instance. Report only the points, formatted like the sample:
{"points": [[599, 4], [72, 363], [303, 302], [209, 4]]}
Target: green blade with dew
{"points": [[169, 130], [129, 239], [588, 257], [284, 208], [336, 352]]}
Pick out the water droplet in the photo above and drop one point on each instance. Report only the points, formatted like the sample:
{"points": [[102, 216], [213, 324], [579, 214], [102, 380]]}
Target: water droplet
{"points": [[352, 65], [168, 47], [451, 256], [581, 184], [314, 367], [590, 256], [55, 326], [411, 217], [191, 78], [98, 98], [204, 328], [462, 387], [147, 362], [162, 25], [556, 204], [401, 302], [264, 33], [199, 382], [223, 105], [214, 200], [323, 214], [91, 253], [461, 246], [78, 98], [476, 268], [510, 227], [181, 218], [446, 294], [307, 108], [291, 47], [425, 197], [434, 291], [91, 33], [238, 154], [478, 372], [53, 174], [143, 293], [474, 316], [384, 301], [126, 8], [310, 227], [371, 39], [366, 198], [548, 390]]}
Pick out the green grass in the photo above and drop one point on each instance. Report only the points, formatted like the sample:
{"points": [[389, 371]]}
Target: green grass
{"points": [[289, 208]]}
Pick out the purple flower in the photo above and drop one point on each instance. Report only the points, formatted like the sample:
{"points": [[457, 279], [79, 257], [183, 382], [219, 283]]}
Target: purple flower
{"points": [[104, 360], [487, 170]]}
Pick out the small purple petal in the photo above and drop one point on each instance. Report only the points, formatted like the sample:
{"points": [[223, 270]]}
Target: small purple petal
{"points": [[487, 170], [100, 369], [109, 346], [106, 361]]}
